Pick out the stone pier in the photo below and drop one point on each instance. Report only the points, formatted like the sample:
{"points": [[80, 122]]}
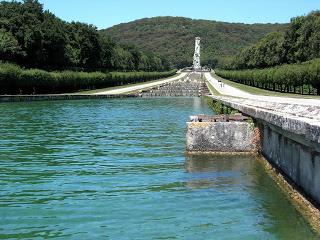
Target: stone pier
{"points": [[224, 133]]}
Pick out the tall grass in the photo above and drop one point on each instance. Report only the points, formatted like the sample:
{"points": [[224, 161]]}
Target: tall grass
{"points": [[15, 80], [302, 78]]}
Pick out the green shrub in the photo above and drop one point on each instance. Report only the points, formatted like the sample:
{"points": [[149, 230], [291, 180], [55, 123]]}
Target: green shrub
{"points": [[14, 80], [9, 77]]}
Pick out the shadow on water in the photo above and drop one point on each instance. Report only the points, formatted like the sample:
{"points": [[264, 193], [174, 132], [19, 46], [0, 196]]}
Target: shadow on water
{"points": [[245, 174]]}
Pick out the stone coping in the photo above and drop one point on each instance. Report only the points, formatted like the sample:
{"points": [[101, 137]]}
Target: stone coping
{"points": [[55, 97], [302, 120]]}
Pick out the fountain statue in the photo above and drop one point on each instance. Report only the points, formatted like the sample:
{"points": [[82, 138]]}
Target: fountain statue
{"points": [[196, 57]]}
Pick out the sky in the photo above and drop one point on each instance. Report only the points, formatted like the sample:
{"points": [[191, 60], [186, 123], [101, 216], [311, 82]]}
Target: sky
{"points": [[106, 13]]}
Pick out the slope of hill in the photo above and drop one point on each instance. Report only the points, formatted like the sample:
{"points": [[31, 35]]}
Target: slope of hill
{"points": [[173, 37]]}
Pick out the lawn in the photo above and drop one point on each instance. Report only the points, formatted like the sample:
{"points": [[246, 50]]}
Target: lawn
{"points": [[123, 86]]}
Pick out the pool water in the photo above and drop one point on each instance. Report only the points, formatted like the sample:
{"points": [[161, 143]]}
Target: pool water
{"points": [[117, 169]]}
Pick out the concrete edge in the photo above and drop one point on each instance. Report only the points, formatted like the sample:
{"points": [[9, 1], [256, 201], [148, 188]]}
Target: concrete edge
{"points": [[245, 153], [306, 127], [56, 97]]}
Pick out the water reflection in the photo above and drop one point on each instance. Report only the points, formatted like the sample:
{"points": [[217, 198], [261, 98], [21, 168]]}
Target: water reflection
{"points": [[257, 192], [218, 170]]}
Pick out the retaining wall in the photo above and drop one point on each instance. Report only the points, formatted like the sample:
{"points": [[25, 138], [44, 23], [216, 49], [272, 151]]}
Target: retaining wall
{"points": [[297, 158], [55, 97], [289, 141]]}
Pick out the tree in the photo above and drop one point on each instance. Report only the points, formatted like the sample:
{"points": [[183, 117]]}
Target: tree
{"points": [[302, 38], [10, 49], [53, 41], [122, 59], [269, 51], [135, 53], [107, 50], [86, 38], [33, 37], [299, 43]]}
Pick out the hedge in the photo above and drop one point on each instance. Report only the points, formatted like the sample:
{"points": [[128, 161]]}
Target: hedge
{"points": [[15, 80], [303, 78]]}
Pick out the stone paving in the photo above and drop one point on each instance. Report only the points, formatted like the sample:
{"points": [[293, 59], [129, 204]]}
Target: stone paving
{"points": [[296, 115], [303, 111], [299, 107]]}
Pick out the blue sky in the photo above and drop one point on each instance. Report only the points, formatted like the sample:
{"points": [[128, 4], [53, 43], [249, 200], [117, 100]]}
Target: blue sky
{"points": [[106, 13]]}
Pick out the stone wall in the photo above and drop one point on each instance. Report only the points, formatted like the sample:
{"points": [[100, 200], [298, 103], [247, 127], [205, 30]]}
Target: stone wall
{"points": [[220, 137], [298, 119], [290, 139], [55, 97], [297, 159]]}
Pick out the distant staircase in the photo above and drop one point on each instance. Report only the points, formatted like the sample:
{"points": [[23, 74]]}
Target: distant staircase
{"points": [[193, 85]]}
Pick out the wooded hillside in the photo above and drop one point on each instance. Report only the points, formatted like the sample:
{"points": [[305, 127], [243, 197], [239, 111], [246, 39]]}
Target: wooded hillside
{"points": [[33, 37], [173, 37]]}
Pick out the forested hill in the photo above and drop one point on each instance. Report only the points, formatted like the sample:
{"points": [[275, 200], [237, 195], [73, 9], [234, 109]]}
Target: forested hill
{"points": [[33, 37], [173, 37]]}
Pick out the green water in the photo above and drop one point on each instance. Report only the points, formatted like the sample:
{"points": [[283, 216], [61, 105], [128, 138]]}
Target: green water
{"points": [[116, 169]]}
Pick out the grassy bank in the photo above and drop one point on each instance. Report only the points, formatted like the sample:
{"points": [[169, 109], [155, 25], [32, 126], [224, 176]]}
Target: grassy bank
{"points": [[15, 80], [212, 89], [125, 86], [303, 78]]}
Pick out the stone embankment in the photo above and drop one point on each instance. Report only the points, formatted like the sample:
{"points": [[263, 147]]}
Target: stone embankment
{"points": [[55, 97], [303, 120], [193, 85], [290, 139]]}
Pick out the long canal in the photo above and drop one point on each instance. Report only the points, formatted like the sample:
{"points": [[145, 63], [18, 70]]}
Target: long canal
{"points": [[117, 169]]}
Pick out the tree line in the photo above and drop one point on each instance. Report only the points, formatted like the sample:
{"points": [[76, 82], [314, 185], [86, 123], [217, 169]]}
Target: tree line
{"points": [[299, 43], [286, 62], [301, 78], [35, 38], [16, 80]]}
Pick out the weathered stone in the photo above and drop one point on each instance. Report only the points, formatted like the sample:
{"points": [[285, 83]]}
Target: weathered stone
{"points": [[193, 85], [301, 120], [220, 137], [299, 162]]}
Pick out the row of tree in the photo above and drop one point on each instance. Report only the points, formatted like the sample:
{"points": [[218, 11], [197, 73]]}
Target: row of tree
{"points": [[36, 38], [286, 62], [302, 78], [299, 43], [15, 80]]}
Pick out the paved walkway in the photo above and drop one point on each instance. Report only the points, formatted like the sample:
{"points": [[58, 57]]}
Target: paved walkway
{"points": [[225, 89], [141, 86], [304, 109]]}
